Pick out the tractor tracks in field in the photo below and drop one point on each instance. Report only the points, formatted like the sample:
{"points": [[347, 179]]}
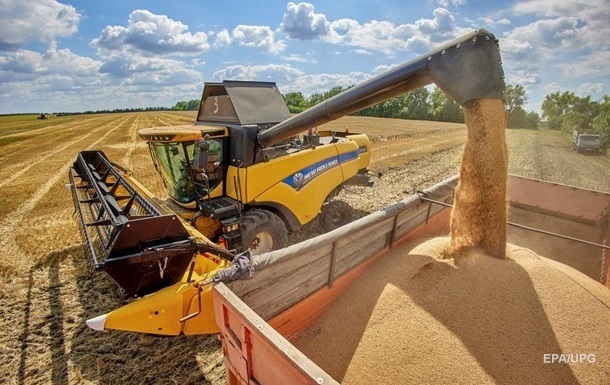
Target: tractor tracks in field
{"points": [[26, 166], [8, 225], [133, 142], [416, 145]]}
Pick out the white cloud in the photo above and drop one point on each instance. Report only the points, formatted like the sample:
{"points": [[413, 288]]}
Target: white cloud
{"points": [[223, 39], [594, 89], [490, 22], [260, 36], [361, 51], [257, 36], [150, 71], [302, 22], [542, 38], [387, 37], [35, 21], [289, 78], [455, 3], [309, 84], [382, 68], [33, 64], [150, 34], [594, 64], [554, 8], [295, 58], [525, 77], [553, 87], [273, 72], [593, 16]]}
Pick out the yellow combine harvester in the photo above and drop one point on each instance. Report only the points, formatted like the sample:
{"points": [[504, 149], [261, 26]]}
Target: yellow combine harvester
{"points": [[240, 177], [245, 193], [229, 186]]}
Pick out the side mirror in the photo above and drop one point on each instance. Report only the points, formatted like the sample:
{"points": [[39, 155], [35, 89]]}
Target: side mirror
{"points": [[201, 153]]}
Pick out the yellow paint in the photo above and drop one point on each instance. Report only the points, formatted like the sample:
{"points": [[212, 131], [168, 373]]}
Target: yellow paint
{"points": [[305, 202], [160, 312]]}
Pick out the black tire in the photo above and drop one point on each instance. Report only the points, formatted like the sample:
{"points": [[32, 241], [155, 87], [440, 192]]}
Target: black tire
{"points": [[263, 231], [335, 214]]}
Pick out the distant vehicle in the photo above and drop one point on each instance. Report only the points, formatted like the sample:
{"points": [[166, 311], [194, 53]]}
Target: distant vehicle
{"points": [[583, 142], [43, 116]]}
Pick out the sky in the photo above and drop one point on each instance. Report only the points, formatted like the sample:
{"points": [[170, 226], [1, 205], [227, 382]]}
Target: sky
{"points": [[68, 56]]}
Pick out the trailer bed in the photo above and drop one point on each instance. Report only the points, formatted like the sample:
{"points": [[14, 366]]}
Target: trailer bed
{"points": [[293, 287]]}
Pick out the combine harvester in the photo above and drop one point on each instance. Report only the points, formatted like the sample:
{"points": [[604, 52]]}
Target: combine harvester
{"points": [[280, 293]]}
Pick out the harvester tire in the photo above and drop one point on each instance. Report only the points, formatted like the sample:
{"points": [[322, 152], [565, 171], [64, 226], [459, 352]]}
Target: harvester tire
{"points": [[263, 231], [335, 214]]}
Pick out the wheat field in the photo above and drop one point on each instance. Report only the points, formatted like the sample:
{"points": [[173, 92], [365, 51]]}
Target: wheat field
{"points": [[47, 288]]}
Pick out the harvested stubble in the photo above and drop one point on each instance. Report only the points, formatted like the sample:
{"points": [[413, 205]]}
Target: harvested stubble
{"points": [[417, 318]]}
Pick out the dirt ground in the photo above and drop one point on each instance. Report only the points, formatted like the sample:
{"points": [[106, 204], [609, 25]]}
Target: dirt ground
{"points": [[47, 292]]}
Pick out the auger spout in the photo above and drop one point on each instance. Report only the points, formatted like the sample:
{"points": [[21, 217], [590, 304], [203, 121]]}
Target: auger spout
{"points": [[466, 68]]}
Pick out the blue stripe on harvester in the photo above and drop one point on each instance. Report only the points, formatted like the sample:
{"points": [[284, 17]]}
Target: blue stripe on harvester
{"points": [[302, 177]]}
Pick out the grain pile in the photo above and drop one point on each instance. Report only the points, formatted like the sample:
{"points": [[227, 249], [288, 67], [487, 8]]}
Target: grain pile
{"points": [[415, 317], [445, 311], [478, 219]]}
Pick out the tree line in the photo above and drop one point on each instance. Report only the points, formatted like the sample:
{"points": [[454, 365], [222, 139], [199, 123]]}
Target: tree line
{"points": [[423, 104], [561, 111], [114, 111], [568, 112], [420, 104]]}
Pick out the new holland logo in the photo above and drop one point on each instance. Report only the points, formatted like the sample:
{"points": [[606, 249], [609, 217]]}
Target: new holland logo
{"points": [[299, 179]]}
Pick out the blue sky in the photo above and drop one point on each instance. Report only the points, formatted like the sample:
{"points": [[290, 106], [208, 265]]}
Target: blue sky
{"points": [[89, 55]]}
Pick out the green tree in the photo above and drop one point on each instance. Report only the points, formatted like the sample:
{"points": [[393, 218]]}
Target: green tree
{"points": [[518, 117], [532, 120], [315, 99], [601, 123], [554, 107], [416, 104], [296, 102], [444, 108], [568, 112], [193, 105], [515, 98], [180, 106]]}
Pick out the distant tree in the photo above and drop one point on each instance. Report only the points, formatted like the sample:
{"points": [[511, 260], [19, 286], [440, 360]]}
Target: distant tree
{"points": [[554, 106], [532, 120], [183, 105], [193, 105], [568, 112], [517, 116], [444, 108], [315, 99], [416, 105], [296, 102], [515, 97], [318, 97], [180, 106], [601, 123]]}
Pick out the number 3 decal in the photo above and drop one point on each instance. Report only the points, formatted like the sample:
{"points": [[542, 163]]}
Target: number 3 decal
{"points": [[215, 104]]}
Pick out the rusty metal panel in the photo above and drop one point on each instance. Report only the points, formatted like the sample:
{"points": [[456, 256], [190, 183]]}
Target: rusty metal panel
{"points": [[587, 205]]}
